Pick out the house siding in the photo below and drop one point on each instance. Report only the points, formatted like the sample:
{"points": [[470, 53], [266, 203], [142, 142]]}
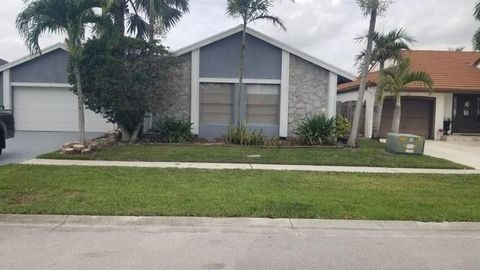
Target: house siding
{"points": [[48, 68], [308, 91], [175, 102], [221, 59]]}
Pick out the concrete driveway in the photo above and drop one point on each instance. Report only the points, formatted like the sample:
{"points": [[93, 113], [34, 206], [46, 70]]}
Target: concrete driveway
{"points": [[459, 152], [29, 144]]}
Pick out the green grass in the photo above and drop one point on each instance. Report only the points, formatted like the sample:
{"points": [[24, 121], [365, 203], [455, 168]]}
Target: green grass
{"points": [[370, 153], [31, 189]]}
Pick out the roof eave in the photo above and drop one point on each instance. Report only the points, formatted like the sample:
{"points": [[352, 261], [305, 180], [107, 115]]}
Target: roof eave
{"points": [[30, 57], [270, 40]]}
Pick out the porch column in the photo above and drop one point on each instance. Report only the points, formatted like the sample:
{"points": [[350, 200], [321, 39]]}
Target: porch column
{"points": [[332, 95], [369, 111], [195, 98], [285, 82]]}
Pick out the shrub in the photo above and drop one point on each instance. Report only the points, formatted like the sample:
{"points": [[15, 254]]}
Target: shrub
{"points": [[172, 130], [243, 136], [317, 130], [342, 127]]}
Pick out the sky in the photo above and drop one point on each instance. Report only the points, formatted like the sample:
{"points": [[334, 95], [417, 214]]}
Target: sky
{"points": [[323, 28]]}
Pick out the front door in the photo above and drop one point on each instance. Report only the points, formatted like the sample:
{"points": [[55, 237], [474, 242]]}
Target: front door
{"points": [[466, 113]]}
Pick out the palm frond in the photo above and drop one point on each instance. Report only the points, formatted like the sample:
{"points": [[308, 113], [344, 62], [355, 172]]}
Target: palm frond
{"points": [[419, 77], [476, 40], [137, 25], [476, 12], [274, 20]]}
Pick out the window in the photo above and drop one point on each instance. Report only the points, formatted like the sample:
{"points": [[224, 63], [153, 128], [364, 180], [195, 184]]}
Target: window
{"points": [[216, 103], [263, 104]]}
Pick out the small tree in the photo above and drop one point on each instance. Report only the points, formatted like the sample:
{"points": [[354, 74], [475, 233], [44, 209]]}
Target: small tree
{"points": [[122, 77], [395, 79], [387, 47], [370, 8], [68, 17], [249, 11]]}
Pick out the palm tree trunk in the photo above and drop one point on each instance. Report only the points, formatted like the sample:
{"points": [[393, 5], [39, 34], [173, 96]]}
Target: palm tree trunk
{"points": [[352, 141], [397, 114], [119, 16], [378, 108], [241, 72], [151, 18], [81, 109]]}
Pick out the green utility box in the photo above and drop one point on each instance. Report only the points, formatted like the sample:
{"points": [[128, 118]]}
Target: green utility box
{"points": [[399, 143]]}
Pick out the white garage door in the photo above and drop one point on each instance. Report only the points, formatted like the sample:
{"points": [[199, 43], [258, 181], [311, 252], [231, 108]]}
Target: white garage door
{"points": [[52, 109]]}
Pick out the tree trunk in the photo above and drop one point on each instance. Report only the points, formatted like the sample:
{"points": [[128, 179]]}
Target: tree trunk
{"points": [[241, 72], [377, 115], [81, 110], [352, 141], [136, 132], [151, 18], [119, 16], [378, 108], [125, 133], [397, 114]]}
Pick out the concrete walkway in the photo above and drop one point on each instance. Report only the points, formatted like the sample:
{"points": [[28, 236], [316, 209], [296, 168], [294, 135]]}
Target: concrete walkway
{"points": [[240, 166], [459, 152], [89, 242]]}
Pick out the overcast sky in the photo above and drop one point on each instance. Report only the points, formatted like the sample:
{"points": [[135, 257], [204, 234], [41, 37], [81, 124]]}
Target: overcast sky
{"points": [[323, 28]]}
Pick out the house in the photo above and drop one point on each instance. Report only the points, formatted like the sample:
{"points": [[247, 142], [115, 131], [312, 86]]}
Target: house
{"points": [[282, 86], [37, 91], [455, 97]]}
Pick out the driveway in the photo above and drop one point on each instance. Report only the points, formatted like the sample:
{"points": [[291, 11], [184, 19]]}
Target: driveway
{"points": [[29, 144], [459, 152]]}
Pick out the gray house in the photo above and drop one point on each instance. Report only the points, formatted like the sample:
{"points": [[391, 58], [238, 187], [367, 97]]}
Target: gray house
{"points": [[282, 86]]}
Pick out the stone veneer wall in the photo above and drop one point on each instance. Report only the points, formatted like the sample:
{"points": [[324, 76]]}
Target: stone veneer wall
{"points": [[308, 91], [175, 102]]}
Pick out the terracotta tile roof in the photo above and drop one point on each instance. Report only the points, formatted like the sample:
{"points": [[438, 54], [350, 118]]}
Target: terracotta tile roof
{"points": [[451, 71]]}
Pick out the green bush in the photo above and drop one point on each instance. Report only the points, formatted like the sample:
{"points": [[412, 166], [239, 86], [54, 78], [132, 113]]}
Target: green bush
{"points": [[243, 136], [172, 130], [317, 130], [342, 127]]}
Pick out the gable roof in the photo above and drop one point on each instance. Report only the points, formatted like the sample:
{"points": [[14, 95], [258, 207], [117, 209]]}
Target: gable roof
{"points": [[451, 71], [27, 58], [274, 42]]}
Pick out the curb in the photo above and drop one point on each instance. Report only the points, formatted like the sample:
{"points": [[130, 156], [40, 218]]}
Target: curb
{"points": [[284, 223]]}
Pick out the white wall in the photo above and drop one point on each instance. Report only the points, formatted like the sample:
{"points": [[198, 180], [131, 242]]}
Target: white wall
{"points": [[369, 98]]}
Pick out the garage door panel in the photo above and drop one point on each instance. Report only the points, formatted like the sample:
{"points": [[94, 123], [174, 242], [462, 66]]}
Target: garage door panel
{"points": [[416, 116], [52, 109]]}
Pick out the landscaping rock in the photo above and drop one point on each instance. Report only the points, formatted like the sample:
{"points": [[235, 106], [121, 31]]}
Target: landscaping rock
{"points": [[78, 147], [68, 151], [86, 151]]}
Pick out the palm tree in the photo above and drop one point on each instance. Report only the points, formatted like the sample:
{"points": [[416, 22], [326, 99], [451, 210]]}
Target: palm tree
{"points": [[164, 12], [69, 17], [476, 38], [387, 47], [370, 8], [395, 79], [249, 11]]}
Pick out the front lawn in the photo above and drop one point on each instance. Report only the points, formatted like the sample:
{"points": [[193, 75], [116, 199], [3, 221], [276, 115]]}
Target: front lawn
{"points": [[31, 189], [370, 153]]}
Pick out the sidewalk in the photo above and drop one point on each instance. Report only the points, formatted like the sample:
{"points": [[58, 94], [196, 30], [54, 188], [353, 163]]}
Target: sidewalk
{"points": [[244, 166]]}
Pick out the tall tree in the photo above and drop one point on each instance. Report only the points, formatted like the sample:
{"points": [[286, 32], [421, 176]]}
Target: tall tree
{"points": [[143, 17], [371, 8], [69, 17], [395, 79], [387, 47], [249, 11], [476, 38]]}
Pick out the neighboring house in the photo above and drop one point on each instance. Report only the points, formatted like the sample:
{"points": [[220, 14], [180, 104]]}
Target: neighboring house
{"points": [[283, 85], [456, 95], [36, 89]]}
